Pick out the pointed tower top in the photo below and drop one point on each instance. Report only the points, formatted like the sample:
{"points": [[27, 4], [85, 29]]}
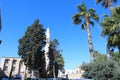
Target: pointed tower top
{"points": [[48, 30], [48, 33]]}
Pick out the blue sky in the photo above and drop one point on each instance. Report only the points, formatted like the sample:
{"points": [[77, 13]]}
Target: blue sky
{"points": [[17, 15]]}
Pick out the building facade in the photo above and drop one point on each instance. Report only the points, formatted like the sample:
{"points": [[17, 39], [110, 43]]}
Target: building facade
{"points": [[75, 73], [14, 66]]}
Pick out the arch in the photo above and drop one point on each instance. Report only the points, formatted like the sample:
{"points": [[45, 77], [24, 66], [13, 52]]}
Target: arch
{"points": [[6, 62]]}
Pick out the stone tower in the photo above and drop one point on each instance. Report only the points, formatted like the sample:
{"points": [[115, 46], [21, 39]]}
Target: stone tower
{"points": [[47, 48]]}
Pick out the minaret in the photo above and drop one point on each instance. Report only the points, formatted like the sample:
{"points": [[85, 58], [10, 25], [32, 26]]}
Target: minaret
{"points": [[47, 48]]}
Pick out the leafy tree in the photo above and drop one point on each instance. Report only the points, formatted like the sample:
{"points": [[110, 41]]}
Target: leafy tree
{"points": [[99, 57], [102, 69], [31, 47], [116, 57], [106, 3], [86, 17], [56, 59]]}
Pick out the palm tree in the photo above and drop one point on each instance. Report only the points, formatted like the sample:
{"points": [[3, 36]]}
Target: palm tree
{"points": [[106, 3], [111, 28], [87, 16]]}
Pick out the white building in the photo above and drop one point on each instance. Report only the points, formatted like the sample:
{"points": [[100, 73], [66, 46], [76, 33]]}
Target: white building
{"points": [[74, 74], [18, 67]]}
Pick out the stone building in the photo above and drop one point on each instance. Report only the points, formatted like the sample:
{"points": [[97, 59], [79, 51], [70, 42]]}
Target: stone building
{"points": [[18, 67], [75, 73], [15, 66]]}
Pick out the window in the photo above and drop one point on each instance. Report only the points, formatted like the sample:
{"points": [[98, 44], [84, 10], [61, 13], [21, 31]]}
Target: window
{"points": [[5, 68], [6, 62]]}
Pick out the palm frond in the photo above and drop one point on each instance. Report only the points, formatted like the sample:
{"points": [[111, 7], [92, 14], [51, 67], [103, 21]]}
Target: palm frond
{"points": [[118, 10], [92, 23], [95, 17], [105, 32], [115, 1], [98, 1], [105, 4], [82, 14], [114, 39], [83, 26], [76, 19], [91, 11], [105, 15], [82, 7]]}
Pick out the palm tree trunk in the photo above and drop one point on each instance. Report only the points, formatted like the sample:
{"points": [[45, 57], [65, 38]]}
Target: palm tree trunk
{"points": [[119, 49], [110, 4], [54, 70], [108, 51], [90, 42], [25, 75]]}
